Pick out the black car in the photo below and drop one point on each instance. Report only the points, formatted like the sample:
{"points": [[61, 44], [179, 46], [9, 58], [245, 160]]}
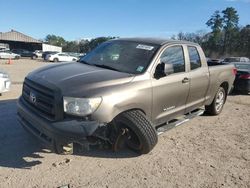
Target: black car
{"points": [[22, 52], [242, 80], [46, 53]]}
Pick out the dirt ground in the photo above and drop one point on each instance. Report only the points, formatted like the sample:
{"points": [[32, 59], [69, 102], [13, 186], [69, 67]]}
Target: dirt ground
{"points": [[205, 152]]}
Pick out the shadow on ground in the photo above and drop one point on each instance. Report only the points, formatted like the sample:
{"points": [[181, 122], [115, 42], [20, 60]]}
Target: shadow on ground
{"points": [[15, 143], [19, 149]]}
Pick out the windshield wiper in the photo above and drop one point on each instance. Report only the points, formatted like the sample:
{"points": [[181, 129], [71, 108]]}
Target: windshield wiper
{"points": [[107, 67]]}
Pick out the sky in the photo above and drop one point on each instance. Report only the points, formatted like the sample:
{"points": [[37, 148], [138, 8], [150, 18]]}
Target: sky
{"points": [[77, 19]]}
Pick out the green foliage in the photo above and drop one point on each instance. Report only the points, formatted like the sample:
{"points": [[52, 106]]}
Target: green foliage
{"points": [[226, 38], [86, 46], [55, 40], [83, 46]]}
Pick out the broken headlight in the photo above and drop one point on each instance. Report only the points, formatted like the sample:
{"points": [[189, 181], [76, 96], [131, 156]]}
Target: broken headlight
{"points": [[81, 106]]}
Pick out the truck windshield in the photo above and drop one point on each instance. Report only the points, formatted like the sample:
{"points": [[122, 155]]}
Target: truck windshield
{"points": [[123, 56]]}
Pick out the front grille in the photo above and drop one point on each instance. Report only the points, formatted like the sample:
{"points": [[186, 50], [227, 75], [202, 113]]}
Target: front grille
{"points": [[45, 100]]}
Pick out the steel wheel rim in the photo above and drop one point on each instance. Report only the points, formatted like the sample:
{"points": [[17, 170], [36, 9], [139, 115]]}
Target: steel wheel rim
{"points": [[132, 140], [219, 101]]}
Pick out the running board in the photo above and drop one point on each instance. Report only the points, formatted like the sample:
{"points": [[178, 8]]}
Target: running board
{"points": [[176, 122]]}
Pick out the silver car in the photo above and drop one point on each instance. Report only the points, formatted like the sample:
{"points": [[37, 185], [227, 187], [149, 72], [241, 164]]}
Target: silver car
{"points": [[4, 82], [8, 55]]}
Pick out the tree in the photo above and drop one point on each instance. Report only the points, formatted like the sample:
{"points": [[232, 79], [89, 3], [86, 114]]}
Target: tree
{"points": [[244, 39], [86, 46], [55, 40], [230, 22], [216, 25], [71, 46]]}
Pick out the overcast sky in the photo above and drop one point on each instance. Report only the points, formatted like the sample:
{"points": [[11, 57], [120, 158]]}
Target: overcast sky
{"points": [[75, 19]]}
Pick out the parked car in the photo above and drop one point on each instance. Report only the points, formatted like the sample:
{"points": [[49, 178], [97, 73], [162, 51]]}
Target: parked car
{"points": [[8, 55], [125, 92], [4, 82], [242, 80], [44, 55], [236, 59], [58, 57], [211, 61], [37, 54], [77, 55], [22, 52]]}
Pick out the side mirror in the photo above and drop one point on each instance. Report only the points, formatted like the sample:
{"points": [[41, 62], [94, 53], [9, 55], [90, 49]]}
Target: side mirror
{"points": [[168, 68], [163, 69]]}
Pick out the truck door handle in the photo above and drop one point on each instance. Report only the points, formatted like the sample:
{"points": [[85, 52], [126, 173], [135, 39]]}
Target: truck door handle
{"points": [[185, 80]]}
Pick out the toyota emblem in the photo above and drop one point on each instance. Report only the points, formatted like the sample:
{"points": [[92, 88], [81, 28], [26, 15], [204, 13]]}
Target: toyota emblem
{"points": [[32, 97]]}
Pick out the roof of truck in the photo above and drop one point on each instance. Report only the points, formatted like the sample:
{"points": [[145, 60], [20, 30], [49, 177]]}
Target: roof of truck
{"points": [[157, 41]]}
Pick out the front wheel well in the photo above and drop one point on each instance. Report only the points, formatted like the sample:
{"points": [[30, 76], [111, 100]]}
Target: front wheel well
{"points": [[132, 109]]}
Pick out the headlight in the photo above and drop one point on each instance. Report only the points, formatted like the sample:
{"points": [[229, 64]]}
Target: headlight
{"points": [[81, 106], [4, 75]]}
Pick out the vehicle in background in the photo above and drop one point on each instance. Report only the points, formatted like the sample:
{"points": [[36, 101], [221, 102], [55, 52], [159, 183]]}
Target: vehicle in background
{"points": [[81, 56], [77, 55], [44, 55], [4, 82], [37, 54], [8, 55], [22, 52], [211, 61], [125, 92], [236, 59], [58, 57], [242, 80]]}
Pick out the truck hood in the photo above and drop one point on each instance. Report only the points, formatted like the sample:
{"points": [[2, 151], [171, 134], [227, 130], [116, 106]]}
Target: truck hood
{"points": [[79, 80]]}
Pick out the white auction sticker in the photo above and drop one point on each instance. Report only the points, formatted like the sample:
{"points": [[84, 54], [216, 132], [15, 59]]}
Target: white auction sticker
{"points": [[144, 47]]}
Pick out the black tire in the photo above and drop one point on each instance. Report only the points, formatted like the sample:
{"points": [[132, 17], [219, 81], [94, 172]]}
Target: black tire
{"points": [[55, 60], [142, 135], [34, 57], [216, 107]]}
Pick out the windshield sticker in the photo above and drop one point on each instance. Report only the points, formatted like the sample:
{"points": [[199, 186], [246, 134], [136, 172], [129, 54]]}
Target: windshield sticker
{"points": [[139, 68], [144, 47]]}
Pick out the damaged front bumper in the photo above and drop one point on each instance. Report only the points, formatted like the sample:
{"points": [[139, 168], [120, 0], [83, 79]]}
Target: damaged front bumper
{"points": [[56, 134]]}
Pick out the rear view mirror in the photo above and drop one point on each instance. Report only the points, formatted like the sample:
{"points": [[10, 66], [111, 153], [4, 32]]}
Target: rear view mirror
{"points": [[163, 69]]}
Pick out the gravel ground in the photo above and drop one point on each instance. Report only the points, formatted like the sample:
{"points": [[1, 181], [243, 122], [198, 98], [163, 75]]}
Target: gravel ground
{"points": [[205, 152]]}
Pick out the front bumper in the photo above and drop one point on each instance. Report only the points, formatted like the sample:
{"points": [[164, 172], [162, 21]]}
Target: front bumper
{"points": [[55, 133]]}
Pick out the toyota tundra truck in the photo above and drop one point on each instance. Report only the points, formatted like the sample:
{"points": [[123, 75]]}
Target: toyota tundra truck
{"points": [[124, 93]]}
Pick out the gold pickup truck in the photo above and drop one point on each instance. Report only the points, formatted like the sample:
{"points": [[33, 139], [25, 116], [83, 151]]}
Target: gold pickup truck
{"points": [[124, 93]]}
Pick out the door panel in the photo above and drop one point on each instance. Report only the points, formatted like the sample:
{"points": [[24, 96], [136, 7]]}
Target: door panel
{"points": [[169, 97], [170, 92], [199, 80]]}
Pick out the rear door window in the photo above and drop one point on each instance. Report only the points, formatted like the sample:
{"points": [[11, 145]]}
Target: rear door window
{"points": [[194, 57]]}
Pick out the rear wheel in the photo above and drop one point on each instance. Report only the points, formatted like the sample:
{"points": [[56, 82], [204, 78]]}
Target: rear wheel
{"points": [[135, 131], [55, 59], [216, 106]]}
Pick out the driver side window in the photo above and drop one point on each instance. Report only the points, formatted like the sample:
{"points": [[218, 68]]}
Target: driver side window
{"points": [[175, 56]]}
